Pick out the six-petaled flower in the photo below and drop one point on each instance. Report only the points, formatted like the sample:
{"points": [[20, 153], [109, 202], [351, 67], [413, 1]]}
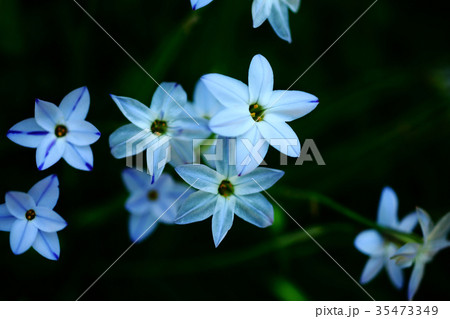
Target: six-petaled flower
{"points": [[150, 204], [223, 194], [59, 132], [256, 114], [165, 130], [379, 248], [434, 240], [31, 221]]}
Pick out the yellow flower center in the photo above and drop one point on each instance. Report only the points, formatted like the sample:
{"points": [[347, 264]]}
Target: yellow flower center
{"points": [[257, 112], [61, 131]]}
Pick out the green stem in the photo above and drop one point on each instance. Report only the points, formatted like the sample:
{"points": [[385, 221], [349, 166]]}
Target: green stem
{"points": [[326, 201], [228, 259]]}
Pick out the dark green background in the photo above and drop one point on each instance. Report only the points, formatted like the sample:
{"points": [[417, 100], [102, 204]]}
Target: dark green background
{"points": [[383, 120]]}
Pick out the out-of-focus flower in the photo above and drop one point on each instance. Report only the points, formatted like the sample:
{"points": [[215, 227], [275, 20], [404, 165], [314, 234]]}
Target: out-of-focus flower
{"points": [[204, 104], [379, 248], [197, 4], [59, 132], [434, 240], [165, 131], [257, 114], [150, 204], [223, 194], [31, 221], [277, 11]]}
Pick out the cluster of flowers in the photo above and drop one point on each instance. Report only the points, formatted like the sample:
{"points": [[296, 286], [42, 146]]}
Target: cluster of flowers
{"points": [[394, 254], [240, 119], [276, 11]]}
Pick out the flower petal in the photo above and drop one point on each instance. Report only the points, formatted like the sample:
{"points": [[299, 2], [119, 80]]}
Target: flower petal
{"points": [[256, 181], [136, 112], [441, 229], [48, 115], [394, 271], [197, 207], [290, 105], [75, 105], [22, 236], [404, 257], [138, 204], [205, 104], [27, 133], [46, 192], [260, 11], [157, 157], [260, 80], [387, 208], [6, 219], [416, 278], [49, 151], [294, 5], [47, 244], [231, 122], [228, 91], [130, 140], [197, 4], [19, 203], [371, 269], [182, 152], [369, 242], [135, 181], [251, 148], [255, 209], [426, 224], [79, 157], [281, 136], [142, 226], [225, 150], [408, 223], [169, 100], [47, 220], [222, 218], [279, 20], [187, 129], [82, 133], [200, 177]]}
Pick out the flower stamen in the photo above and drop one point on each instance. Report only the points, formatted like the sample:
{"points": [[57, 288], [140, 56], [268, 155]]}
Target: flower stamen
{"points": [[159, 127], [30, 214], [256, 112], [226, 188], [61, 131]]}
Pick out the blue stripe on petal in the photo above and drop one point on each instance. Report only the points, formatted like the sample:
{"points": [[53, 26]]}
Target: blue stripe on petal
{"points": [[78, 100]]}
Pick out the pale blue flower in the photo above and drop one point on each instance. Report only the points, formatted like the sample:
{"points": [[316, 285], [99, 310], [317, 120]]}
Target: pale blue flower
{"points": [[165, 131], [150, 204], [59, 132], [204, 104], [223, 194], [434, 240], [277, 11], [31, 221], [257, 114], [197, 4], [379, 248]]}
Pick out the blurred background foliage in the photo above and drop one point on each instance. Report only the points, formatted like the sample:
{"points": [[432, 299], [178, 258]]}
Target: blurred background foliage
{"points": [[383, 120]]}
